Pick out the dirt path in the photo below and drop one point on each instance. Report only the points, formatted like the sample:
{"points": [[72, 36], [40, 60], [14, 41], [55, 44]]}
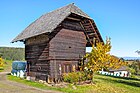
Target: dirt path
{"points": [[7, 86]]}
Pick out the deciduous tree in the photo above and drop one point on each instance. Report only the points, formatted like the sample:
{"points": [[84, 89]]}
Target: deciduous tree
{"points": [[100, 57], [1, 62]]}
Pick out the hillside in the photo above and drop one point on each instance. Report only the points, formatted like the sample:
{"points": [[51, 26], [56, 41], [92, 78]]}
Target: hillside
{"points": [[12, 53], [131, 58]]}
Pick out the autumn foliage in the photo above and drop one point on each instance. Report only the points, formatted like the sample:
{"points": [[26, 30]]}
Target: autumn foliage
{"points": [[100, 57], [1, 62]]}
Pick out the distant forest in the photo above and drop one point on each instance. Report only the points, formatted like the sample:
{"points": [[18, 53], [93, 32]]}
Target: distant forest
{"points": [[12, 53]]}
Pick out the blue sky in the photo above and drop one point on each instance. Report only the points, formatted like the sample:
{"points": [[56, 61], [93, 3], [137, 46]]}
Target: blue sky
{"points": [[118, 19]]}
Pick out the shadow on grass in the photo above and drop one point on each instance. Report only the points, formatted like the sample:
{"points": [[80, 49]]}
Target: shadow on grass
{"points": [[127, 82], [1, 69], [8, 74]]}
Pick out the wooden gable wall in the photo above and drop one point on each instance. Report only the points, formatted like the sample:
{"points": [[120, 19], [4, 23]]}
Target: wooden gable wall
{"points": [[66, 48], [67, 44]]}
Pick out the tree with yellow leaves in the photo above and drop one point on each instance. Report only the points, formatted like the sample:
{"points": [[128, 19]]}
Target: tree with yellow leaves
{"points": [[100, 58], [1, 61]]}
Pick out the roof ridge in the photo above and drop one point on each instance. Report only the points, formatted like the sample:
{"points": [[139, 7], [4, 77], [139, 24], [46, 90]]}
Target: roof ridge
{"points": [[59, 8], [72, 4], [49, 21]]}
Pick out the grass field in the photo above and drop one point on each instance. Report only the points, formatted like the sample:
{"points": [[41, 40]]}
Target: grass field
{"points": [[103, 84]]}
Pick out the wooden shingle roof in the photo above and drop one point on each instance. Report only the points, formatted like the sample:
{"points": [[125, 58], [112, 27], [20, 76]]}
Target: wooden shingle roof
{"points": [[48, 22]]}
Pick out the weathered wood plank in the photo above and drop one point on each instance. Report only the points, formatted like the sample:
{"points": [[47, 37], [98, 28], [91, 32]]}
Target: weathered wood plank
{"points": [[63, 47]]}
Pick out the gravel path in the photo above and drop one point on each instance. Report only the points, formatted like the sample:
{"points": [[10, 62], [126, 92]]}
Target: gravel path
{"points": [[7, 86]]}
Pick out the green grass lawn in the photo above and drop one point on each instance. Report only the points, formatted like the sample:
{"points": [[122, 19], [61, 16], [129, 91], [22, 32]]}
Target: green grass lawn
{"points": [[117, 85], [103, 84]]}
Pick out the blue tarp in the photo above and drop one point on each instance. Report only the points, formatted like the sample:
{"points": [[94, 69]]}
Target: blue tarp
{"points": [[19, 68], [19, 65]]}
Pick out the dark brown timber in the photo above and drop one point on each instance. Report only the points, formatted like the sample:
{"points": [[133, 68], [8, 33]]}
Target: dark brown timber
{"points": [[56, 42]]}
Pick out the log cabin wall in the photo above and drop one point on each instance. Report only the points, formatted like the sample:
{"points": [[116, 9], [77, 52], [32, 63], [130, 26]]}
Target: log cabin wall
{"points": [[58, 67], [36, 54], [67, 44], [56, 53], [66, 48]]}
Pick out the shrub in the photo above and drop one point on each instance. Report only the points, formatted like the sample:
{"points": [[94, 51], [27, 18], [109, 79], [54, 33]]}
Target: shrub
{"points": [[1, 62], [74, 77]]}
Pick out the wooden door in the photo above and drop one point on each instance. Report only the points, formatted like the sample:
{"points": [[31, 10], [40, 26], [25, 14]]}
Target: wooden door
{"points": [[66, 68]]}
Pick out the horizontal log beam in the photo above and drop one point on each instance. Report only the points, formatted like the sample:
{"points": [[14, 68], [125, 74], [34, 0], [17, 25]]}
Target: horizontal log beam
{"points": [[71, 18]]}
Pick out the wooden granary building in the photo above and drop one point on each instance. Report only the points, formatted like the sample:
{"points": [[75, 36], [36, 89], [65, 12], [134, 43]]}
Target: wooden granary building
{"points": [[56, 42]]}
